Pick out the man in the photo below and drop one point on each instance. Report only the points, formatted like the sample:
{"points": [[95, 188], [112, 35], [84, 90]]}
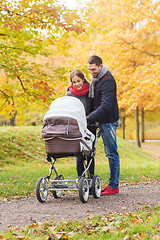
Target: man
{"points": [[105, 112]]}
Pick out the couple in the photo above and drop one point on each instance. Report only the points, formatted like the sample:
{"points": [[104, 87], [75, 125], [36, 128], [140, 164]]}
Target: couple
{"points": [[100, 102]]}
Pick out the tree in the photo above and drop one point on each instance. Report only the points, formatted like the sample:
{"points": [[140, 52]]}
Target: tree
{"points": [[31, 34], [137, 127], [142, 122], [126, 35]]}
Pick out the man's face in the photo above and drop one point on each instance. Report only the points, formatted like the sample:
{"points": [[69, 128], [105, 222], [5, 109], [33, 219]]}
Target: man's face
{"points": [[94, 69]]}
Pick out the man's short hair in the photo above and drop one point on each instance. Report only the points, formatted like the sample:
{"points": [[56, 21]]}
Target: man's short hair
{"points": [[94, 59]]}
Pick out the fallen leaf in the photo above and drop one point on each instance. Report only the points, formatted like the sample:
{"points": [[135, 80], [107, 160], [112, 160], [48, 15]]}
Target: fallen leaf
{"points": [[52, 230], [125, 238], [34, 225], [105, 229]]}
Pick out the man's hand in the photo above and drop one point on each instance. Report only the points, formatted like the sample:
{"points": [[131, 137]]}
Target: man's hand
{"points": [[89, 120]]}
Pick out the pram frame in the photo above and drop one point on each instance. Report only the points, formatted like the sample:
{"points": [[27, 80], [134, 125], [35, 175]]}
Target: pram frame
{"points": [[86, 186]]}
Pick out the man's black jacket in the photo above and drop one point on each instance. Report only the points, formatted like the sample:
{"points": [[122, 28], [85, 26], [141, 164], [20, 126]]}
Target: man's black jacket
{"points": [[105, 106]]}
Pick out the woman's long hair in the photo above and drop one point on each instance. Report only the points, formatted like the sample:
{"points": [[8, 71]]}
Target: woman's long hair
{"points": [[79, 74]]}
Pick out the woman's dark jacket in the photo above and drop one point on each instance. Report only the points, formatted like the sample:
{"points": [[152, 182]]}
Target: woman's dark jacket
{"points": [[105, 106]]}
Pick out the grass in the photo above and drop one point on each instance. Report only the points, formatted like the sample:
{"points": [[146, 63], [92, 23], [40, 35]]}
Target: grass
{"points": [[22, 161], [20, 145], [136, 164], [142, 225]]}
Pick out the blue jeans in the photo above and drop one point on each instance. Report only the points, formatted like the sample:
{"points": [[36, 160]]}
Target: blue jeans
{"points": [[108, 133], [80, 165]]}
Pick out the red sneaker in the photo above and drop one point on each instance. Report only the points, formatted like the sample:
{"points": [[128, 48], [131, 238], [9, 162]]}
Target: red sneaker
{"points": [[110, 191], [104, 189]]}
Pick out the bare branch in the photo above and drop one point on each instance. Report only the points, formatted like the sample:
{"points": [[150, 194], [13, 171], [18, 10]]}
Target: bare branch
{"points": [[6, 101], [140, 50], [17, 49], [21, 83], [6, 95], [26, 90]]}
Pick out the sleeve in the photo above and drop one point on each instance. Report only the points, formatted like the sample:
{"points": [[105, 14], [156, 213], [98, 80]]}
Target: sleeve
{"points": [[68, 93], [108, 94]]}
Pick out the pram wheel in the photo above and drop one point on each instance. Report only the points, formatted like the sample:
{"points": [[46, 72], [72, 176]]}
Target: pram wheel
{"points": [[41, 190], [96, 186], [83, 189], [57, 193]]}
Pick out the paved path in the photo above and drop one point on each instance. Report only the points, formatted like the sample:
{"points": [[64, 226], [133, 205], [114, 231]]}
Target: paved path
{"points": [[25, 211], [152, 148]]}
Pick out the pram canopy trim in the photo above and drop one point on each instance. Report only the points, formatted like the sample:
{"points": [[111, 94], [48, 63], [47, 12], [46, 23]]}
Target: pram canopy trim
{"points": [[68, 107]]}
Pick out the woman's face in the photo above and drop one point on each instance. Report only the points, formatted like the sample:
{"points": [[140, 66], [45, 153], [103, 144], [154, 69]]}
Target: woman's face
{"points": [[77, 82]]}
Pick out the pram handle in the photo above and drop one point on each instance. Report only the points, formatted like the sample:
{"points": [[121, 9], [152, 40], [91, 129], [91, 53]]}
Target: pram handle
{"points": [[95, 124]]}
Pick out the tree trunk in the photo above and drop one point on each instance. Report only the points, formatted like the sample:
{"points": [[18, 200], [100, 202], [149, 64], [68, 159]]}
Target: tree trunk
{"points": [[123, 122], [137, 127], [13, 119], [142, 121]]}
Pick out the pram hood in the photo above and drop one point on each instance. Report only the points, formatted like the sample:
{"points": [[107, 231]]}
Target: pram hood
{"points": [[68, 107], [66, 120]]}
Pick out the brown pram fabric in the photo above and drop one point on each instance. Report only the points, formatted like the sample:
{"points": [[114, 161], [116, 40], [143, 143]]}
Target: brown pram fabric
{"points": [[61, 135]]}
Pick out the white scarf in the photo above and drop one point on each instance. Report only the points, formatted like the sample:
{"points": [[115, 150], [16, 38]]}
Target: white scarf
{"points": [[103, 71]]}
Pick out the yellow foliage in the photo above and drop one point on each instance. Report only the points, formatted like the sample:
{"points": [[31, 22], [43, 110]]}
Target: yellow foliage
{"points": [[126, 35]]}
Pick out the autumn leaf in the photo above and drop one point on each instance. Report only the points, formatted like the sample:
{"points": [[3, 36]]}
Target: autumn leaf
{"points": [[29, 77]]}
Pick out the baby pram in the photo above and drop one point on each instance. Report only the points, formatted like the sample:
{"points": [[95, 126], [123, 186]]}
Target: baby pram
{"points": [[66, 134]]}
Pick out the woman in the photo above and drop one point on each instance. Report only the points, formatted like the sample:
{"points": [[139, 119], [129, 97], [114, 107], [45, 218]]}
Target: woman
{"points": [[79, 88]]}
